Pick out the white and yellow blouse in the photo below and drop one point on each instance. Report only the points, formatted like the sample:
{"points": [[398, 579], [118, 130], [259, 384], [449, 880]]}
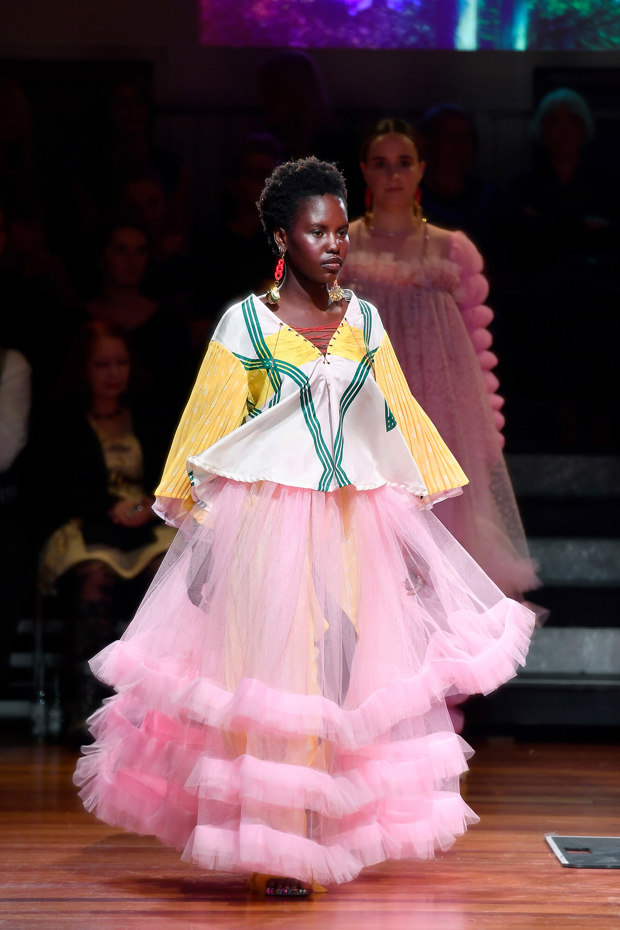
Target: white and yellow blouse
{"points": [[269, 406]]}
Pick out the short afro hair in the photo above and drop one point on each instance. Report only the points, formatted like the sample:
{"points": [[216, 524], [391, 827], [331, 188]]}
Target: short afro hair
{"points": [[291, 183]]}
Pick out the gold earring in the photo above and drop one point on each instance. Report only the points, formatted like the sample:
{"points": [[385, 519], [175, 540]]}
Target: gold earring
{"points": [[335, 292], [273, 294]]}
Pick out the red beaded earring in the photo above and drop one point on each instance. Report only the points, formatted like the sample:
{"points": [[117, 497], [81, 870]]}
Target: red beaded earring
{"points": [[273, 294]]}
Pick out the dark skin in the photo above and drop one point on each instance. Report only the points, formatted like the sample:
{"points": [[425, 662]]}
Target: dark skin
{"points": [[316, 247]]}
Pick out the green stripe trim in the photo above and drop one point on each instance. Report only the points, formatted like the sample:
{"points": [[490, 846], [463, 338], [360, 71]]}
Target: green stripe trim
{"points": [[367, 318], [250, 364], [260, 347], [267, 362], [312, 422], [390, 419], [332, 463], [357, 382]]}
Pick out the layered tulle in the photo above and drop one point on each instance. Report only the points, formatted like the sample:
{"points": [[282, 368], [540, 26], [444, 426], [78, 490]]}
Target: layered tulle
{"points": [[433, 309], [281, 691]]}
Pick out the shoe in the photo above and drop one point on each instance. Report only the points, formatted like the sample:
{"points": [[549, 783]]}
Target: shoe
{"points": [[286, 888]]}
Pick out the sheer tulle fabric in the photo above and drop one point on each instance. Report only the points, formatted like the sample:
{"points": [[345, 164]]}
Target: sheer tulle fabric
{"points": [[433, 310], [281, 691]]}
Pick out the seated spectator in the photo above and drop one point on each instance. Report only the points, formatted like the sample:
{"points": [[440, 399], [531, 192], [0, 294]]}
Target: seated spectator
{"points": [[124, 141], [142, 197], [295, 103], [15, 566], [38, 307], [453, 195], [17, 162], [103, 456], [163, 359], [237, 260], [29, 254], [560, 289], [297, 110]]}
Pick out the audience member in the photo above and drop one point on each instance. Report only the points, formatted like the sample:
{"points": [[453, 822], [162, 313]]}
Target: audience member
{"points": [[103, 455], [125, 142], [453, 195], [295, 103], [28, 253], [17, 163], [559, 287], [297, 110], [237, 260], [38, 310], [142, 197], [14, 561], [562, 204], [159, 337]]}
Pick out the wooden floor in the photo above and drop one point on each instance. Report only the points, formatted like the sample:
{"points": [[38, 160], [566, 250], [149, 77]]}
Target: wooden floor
{"points": [[60, 868]]}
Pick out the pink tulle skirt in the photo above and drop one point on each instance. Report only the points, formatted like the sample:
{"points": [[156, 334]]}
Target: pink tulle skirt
{"points": [[281, 692]]}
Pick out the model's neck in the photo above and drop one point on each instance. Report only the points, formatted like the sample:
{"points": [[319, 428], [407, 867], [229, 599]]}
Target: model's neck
{"points": [[393, 221], [298, 291]]}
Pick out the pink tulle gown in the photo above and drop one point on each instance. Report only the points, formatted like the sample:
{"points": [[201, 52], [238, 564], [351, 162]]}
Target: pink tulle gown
{"points": [[431, 291], [281, 692]]}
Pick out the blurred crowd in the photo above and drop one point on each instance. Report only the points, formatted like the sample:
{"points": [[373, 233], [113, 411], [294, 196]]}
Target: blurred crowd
{"points": [[110, 287]]}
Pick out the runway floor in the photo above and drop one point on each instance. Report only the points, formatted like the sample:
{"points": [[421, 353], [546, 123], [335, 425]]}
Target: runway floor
{"points": [[60, 868]]}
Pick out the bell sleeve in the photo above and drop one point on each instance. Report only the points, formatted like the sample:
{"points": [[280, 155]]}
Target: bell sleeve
{"points": [[217, 405], [441, 473], [470, 297]]}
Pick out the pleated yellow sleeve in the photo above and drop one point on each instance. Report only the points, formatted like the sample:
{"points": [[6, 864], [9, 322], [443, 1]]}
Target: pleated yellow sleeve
{"points": [[216, 406], [439, 469]]}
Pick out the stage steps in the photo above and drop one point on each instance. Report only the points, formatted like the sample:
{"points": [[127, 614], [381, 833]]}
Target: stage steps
{"points": [[29, 700], [571, 511]]}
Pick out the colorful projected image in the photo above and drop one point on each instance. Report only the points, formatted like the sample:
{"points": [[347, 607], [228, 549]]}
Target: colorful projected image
{"points": [[423, 24]]}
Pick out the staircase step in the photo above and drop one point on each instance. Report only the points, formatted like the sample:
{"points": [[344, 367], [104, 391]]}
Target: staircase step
{"points": [[583, 562], [579, 607], [569, 476], [572, 656], [571, 680], [15, 709], [574, 517]]}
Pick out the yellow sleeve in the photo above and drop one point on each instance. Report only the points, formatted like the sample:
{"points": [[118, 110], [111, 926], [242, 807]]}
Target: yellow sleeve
{"points": [[438, 467], [216, 406]]}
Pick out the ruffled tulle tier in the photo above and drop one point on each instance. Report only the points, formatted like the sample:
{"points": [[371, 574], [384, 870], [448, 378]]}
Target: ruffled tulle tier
{"points": [[281, 691], [179, 783]]}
